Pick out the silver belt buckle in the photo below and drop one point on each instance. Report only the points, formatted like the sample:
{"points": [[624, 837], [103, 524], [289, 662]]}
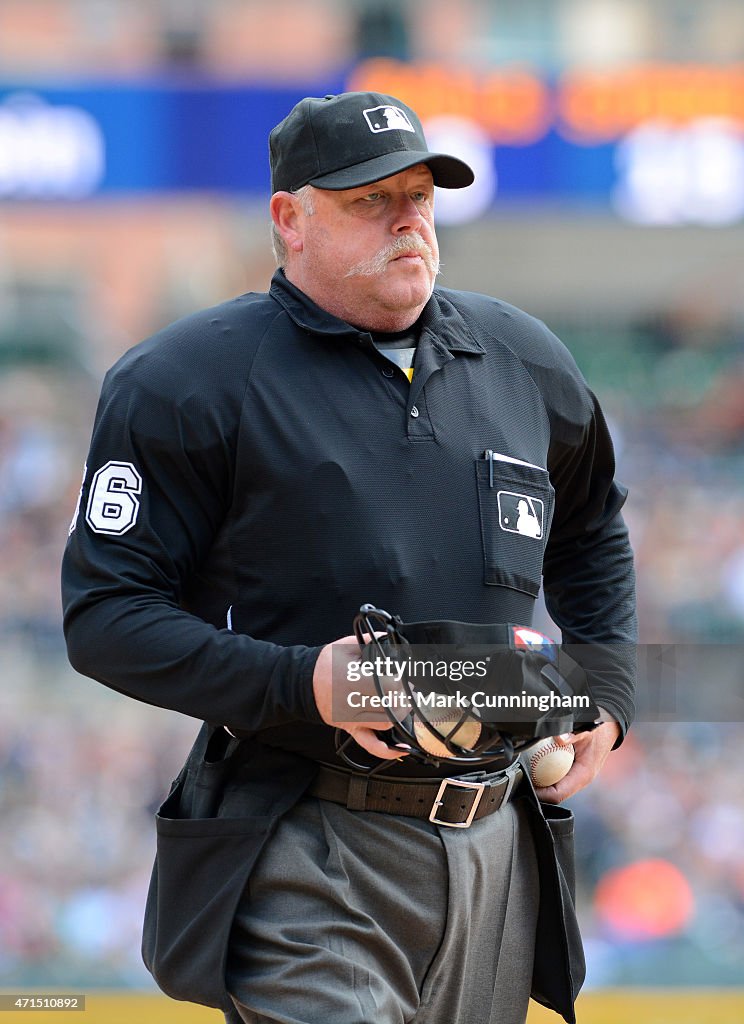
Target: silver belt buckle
{"points": [[462, 784]]}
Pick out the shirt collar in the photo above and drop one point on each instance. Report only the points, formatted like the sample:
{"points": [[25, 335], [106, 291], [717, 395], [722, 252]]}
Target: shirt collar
{"points": [[438, 318], [306, 313]]}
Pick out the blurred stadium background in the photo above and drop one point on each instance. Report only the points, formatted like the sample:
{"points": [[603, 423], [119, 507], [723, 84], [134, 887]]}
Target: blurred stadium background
{"points": [[609, 138]]}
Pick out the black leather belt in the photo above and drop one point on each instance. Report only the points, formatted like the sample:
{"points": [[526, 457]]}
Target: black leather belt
{"points": [[456, 802]]}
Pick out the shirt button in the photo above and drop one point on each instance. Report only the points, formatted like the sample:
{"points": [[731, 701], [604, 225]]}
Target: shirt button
{"points": [[414, 411], [387, 371]]}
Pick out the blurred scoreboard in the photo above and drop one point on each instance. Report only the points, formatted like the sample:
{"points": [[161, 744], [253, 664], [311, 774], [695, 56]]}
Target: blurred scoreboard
{"points": [[656, 144]]}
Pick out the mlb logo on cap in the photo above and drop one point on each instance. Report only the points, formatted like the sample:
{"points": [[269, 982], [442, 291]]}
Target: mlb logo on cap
{"points": [[387, 119]]}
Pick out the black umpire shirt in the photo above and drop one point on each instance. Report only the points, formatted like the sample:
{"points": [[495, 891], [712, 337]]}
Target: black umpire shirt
{"points": [[256, 474]]}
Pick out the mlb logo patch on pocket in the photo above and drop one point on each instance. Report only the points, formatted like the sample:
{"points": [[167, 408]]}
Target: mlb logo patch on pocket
{"points": [[521, 513]]}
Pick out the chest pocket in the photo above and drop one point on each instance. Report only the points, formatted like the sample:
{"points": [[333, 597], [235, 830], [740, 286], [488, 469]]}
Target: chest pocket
{"points": [[516, 510]]}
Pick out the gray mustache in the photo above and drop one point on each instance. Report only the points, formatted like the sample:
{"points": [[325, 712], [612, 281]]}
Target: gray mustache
{"points": [[408, 243]]}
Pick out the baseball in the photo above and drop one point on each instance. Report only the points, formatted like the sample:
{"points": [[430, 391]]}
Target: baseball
{"points": [[548, 762], [466, 736]]}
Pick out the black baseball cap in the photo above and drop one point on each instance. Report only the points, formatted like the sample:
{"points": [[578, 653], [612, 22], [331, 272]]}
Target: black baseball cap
{"points": [[353, 139]]}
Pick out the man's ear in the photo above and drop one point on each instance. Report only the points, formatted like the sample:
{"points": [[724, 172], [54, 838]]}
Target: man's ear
{"points": [[287, 214]]}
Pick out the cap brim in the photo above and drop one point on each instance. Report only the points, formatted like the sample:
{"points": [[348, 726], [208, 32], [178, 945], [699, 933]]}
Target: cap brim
{"points": [[447, 171]]}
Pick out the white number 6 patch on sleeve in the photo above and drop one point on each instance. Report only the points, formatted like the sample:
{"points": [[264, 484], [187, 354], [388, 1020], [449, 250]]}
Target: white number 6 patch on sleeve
{"points": [[112, 505]]}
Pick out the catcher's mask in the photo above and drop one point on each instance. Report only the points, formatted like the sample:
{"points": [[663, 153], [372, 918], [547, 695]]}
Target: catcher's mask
{"points": [[521, 668]]}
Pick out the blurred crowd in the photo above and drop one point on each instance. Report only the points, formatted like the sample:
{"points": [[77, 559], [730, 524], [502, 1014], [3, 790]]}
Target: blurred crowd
{"points": [[661, 875], [81, 775], [229, 38], [678, 429]]}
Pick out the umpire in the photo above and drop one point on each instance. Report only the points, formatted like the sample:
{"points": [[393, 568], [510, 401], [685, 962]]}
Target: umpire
{"points": [[258, 471]]}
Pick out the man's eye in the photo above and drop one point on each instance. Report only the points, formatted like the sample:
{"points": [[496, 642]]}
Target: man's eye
{"points": [[420, 197], [372, 197]]}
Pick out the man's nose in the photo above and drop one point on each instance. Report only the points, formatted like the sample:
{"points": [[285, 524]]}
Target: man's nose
{"points": [[407, 216]]}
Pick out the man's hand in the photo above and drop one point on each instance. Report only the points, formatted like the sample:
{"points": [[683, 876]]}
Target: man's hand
{"points": [[331, 680], [590, 750]]}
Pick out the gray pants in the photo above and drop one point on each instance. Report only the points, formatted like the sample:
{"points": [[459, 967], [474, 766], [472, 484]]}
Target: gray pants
{"points": [[356, 917]]}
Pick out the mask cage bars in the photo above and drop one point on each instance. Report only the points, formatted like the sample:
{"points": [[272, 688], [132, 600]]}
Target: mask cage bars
{"points": [[495, 748]]}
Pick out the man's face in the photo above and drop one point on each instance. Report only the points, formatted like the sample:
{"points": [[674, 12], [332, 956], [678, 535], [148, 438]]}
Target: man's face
{"points": [[369, 255]]}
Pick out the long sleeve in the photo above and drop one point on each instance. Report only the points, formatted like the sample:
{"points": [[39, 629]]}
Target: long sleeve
{"points": [[157, 487], [589, 578]]}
